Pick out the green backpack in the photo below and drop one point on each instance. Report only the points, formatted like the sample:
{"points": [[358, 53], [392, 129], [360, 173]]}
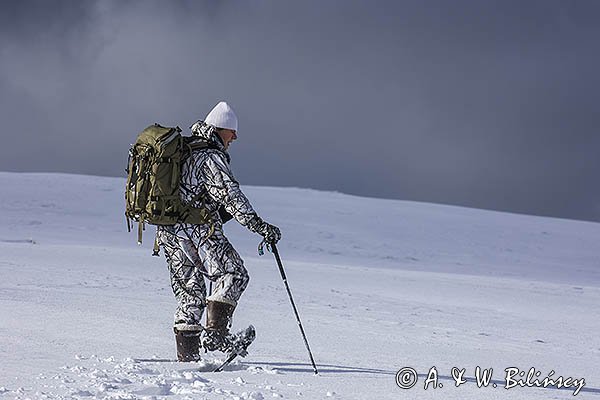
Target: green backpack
{"points": [[153, 175]]}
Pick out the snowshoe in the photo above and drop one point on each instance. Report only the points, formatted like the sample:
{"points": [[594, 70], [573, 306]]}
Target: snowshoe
{"points": [[217, 340], [239, 344], [241, 341]]}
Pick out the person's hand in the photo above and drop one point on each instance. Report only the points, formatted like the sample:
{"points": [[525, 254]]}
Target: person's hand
{"points": [[269, 232]]}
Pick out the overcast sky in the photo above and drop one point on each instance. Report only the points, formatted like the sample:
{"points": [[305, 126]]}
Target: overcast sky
{"points": [[488, 104]]}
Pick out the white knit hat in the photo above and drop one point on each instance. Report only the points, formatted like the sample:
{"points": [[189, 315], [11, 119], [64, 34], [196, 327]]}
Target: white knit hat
{"points": [[222, 116]]}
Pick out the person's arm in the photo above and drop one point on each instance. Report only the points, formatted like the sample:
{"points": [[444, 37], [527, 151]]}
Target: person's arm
{"points": [[224, 189]]}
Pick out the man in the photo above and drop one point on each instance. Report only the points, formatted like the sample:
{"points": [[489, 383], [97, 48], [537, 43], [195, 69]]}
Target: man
{"points": [[197, 251]]}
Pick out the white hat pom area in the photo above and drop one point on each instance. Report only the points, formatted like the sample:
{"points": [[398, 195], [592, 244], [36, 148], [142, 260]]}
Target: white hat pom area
{"points": [[222, 116]]}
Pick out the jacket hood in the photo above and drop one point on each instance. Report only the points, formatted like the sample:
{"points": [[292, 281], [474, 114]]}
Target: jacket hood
{"points": [[208, 133]]}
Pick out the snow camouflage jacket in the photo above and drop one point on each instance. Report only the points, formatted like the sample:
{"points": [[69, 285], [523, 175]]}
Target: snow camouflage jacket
{"points": [[207, 173]]}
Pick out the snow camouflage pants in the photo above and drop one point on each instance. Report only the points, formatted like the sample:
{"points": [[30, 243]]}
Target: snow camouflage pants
{"points": [[215, 258]]}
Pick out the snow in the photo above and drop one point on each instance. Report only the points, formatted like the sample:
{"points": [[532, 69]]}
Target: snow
{"points": [[379, 284]]}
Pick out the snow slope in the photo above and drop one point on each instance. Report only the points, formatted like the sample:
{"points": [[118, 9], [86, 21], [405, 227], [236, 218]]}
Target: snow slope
{"points": [[380, 285]]}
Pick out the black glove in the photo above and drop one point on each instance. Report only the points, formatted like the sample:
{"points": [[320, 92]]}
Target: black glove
{"points": [[269, 232]]}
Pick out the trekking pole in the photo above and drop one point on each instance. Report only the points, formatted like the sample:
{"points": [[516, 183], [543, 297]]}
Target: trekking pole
{"points": [[280, 265]]}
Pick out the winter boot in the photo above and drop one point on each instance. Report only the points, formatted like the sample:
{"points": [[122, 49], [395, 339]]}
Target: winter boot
{"points": [[218, 319], [188, 345]]}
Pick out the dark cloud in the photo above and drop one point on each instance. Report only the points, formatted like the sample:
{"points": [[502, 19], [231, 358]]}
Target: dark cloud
{"points": [[488, 104]]}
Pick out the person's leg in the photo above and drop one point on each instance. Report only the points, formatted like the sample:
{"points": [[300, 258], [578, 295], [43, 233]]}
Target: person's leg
{"points": [[226, 268], [187, 282]]}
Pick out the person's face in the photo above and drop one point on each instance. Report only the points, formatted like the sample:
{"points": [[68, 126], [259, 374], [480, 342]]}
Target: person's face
{"points": [[227, 136]]}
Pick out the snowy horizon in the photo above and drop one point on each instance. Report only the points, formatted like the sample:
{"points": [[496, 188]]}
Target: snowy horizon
{"points": [[327, 191]]}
